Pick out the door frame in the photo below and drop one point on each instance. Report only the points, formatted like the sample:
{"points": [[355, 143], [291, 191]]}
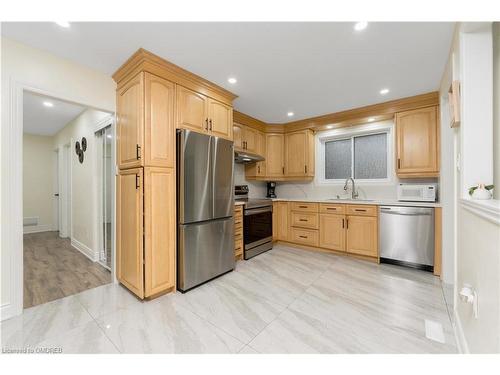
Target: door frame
{"points": [[12, 188], [109, 120]]}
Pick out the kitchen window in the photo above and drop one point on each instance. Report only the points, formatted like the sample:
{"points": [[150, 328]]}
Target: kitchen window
{"points": [[363, 153]]}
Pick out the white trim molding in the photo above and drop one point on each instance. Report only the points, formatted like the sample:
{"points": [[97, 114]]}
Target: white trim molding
{"points": [[462, 345], [486, 209], [85, 250], [38, 228]]}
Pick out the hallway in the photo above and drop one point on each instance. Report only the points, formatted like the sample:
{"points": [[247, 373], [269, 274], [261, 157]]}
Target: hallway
{"points": [[53, 269]]}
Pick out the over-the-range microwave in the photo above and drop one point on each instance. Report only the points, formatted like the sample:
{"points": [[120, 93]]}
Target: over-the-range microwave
{"points": [[417, 192]]}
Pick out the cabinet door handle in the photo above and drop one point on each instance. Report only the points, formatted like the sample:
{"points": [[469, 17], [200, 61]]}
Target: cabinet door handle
{"points": [[305, 169], [137, 182], [302, 206], [303, 220], [206, 123], [210, 122], [331, 208], [258, 169], [303, 236], [138, 152], [399, 163], [283, 169], [347, 223], [359, 210], [342, 223]]}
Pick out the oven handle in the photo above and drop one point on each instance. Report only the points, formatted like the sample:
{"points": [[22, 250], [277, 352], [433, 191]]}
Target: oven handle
{"points": [[255, 211]]}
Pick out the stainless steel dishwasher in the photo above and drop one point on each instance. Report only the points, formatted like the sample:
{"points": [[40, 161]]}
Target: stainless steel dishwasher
{"points": [[407, 236]]}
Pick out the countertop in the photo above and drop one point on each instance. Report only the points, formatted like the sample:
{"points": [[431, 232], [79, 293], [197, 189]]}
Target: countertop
{"points": [[377, 202]]}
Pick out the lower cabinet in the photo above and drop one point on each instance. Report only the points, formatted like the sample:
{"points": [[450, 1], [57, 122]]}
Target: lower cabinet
{"points": [[238, 232], [280, 221], [362, 235], [146, 230], [332, 232], [352, 229]]}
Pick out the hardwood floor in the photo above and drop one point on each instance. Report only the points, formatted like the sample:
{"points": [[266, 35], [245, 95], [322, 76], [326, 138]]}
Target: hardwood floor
{"points": [[53, 269]]}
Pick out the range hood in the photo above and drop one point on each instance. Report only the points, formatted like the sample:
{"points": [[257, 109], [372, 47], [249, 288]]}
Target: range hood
{"points": [[245, 157]]}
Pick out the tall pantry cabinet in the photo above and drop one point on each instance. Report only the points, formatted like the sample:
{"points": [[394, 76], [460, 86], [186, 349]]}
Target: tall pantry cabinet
{"points": [[154, 98]]}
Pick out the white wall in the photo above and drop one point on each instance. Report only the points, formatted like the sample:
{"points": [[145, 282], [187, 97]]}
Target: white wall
{"points": [[38, 181], [257, 189], [24, 66], [83, 193], [496, 108], [477, 223]]}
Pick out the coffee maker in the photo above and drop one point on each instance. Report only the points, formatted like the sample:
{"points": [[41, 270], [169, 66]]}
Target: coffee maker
{"points": [[271, 186]]}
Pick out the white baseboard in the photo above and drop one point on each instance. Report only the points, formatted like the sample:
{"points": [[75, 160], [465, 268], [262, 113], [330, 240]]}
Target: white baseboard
{"points": [[459, 334], [38, 228], [85, 250], [8, 311]]}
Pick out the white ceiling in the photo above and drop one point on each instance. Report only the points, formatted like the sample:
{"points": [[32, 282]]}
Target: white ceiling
{"points": [[41, 120], [308, 68]]}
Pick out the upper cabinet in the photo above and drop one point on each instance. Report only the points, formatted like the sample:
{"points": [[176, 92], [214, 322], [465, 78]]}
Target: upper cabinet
{"points": [[247, 138], [220, 119], [417, 138], [145, 126], [130, 122], [191, 110], [288, 156], [299, 154], [202, 114], [275, 156]]}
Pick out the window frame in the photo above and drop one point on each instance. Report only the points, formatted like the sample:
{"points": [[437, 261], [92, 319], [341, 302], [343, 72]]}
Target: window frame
{"points": [[383, 127]]}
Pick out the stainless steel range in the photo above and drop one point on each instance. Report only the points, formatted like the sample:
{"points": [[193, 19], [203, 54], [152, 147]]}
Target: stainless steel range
{"points": [[257, 223]]}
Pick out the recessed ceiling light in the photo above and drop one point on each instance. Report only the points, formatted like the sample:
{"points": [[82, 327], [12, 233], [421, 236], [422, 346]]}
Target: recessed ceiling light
{"points": [[371, 119], [64, 24], [329, 126], [384, 91], [232, 80], [48, 104], [358, 26], [290, 114]]}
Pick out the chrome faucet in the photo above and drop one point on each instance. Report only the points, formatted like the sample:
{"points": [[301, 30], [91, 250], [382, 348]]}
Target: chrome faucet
{"points": [[354, 193]]}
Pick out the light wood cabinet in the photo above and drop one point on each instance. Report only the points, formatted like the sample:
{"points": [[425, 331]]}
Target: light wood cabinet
{"points": [[145, 126], [238, 136], [202, 114], [146, 230], [159, 230], [362, 235], [280, 221], [191, 108], [304, 220], [257, 170], [417, 143], [308, 237], [332, 232], [299, 160], [220, 119], [159, 122], [129, 230], [238, 232], [130, 123], [275, 163], [251, 140]]}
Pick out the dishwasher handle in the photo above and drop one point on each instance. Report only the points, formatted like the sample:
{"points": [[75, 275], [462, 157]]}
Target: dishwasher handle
{"points": [[407, 211]]}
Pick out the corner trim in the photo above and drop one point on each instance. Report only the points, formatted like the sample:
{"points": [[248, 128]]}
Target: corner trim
{"points": [[85, 250], [487, 209], [463, 348]]}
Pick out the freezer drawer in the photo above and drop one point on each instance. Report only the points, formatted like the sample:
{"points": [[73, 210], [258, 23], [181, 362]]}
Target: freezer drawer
{"points": [[205, 251], [407, 236]]}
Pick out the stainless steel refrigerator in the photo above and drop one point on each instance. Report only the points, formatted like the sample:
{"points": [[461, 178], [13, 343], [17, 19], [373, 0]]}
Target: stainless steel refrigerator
{"points": [[205, 247]]}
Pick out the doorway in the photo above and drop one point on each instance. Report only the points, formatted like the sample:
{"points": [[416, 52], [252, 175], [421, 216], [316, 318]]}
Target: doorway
{"points": [[61, 256], [105, 188]]}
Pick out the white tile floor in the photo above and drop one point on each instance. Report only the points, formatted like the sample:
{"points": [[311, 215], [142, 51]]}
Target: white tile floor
{"points": [[284, 301]]}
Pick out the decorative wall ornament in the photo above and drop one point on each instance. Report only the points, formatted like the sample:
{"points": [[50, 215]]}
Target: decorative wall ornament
{"points": [[81, 149]]}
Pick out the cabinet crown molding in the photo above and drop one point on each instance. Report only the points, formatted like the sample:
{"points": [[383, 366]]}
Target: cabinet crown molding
{"points": [[143, 60]]}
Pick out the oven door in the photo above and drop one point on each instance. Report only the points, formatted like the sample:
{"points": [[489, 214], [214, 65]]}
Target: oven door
{"points": [[257, 226]]}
